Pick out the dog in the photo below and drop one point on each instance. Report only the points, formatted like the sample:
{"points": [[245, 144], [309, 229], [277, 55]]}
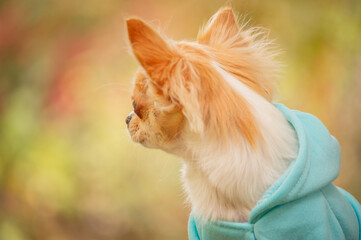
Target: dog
{"points": [[253, 169]]}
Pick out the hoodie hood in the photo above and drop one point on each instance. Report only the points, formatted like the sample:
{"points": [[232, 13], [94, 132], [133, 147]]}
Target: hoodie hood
{"points": [[302, 188], [317, 163]]}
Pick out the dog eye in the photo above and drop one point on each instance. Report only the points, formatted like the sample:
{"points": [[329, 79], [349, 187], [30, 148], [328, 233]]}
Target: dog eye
{"points": [[134, 104], [138, 113]]}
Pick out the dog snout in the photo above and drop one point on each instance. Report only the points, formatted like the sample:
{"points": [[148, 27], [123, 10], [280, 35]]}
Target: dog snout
{"points": [[128, 118]]}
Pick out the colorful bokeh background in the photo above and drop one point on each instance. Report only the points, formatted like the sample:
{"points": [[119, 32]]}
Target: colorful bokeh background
{"points": [[67, 167]]}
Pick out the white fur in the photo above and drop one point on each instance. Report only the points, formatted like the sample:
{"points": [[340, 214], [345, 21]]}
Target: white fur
{"points": [[225, 181]]}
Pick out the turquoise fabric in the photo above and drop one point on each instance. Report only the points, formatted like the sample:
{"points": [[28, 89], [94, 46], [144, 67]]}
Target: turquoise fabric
{"points": [[303, 203]]}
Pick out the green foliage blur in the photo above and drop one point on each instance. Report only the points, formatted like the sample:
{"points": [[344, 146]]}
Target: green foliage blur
{"points": [[67, 167]]}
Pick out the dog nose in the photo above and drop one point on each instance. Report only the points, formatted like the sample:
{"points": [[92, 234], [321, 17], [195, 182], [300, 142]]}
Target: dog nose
{"points": [[129, 117], [127, 120]]}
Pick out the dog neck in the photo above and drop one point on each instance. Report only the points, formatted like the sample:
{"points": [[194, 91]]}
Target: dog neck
{"points": [[224, 181]]}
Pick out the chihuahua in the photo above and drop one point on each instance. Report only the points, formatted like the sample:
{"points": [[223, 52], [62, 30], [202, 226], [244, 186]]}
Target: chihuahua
{"points": [[210, 102]]}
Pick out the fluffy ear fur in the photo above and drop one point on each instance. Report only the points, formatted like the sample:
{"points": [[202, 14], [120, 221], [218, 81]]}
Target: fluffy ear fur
{"points": [[222, 30], [245, 53], [150, 48]]}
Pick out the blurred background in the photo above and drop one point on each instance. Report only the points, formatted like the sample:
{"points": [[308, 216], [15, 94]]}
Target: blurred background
{"points": [[67, 167]]}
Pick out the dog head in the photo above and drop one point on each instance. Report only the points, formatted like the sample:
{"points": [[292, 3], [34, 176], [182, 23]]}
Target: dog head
{"points": [[180, 94]]}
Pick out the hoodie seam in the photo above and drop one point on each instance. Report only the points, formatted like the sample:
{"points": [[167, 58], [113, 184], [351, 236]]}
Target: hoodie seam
{"points": [[330, 209], [303, 175]]}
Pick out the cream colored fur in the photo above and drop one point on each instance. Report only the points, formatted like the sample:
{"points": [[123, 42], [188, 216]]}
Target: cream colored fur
{"points": [[225, 181]]}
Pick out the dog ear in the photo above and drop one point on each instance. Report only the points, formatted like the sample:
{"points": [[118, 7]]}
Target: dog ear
{"points": [[222, 30], [150, 48]]}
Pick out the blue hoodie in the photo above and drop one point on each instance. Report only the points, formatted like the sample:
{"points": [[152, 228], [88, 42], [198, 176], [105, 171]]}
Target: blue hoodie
{"points": [[303, 203]]}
